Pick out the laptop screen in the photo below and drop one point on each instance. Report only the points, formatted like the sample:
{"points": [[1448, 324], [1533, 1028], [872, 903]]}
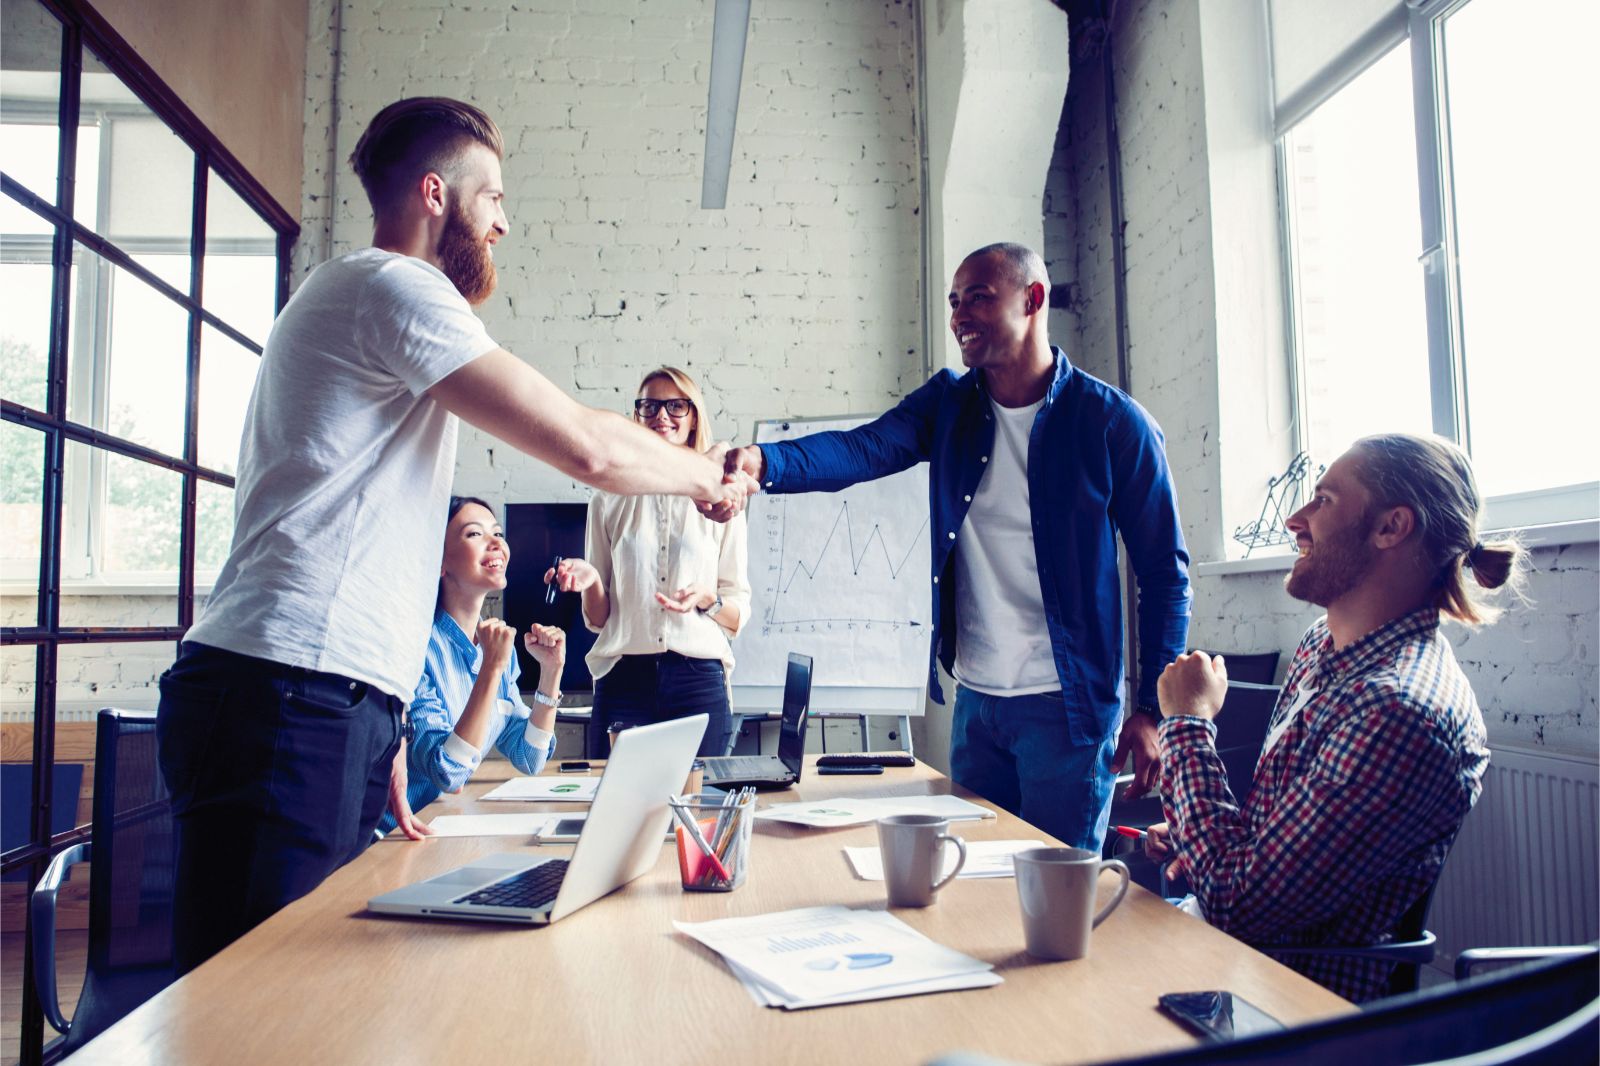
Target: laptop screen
{"points": [[796, 701]]}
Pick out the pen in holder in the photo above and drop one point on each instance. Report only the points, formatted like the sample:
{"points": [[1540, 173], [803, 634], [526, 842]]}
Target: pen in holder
{"points": [[714, 838]]}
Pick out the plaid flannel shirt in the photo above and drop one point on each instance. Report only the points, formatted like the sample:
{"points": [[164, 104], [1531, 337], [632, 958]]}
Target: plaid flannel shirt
{"points": [[1352, 810]]}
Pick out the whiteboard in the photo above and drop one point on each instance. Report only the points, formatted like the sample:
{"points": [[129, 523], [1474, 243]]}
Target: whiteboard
{"points": [[844, 578]]}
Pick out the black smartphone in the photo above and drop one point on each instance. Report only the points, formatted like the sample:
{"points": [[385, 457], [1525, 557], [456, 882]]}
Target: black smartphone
{"points": [[849, 769], [576, 766], [1218, 1016]]}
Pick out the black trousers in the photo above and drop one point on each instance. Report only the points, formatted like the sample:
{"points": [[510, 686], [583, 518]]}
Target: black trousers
{"points": [[278, 777], [641, 689]]}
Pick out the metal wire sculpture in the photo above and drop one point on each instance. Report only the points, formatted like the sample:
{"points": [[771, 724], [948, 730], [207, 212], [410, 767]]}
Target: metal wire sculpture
{"points": [[1286, 494]]}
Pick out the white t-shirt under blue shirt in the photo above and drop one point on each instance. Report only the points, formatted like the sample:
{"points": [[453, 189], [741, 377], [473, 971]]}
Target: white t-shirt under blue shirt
{"points": [[345, 470], [1002, 640]]}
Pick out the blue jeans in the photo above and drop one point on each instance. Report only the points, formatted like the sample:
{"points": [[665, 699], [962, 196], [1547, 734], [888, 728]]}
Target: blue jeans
{"points": [[641, 689], [1015, 752], [278, 776]]}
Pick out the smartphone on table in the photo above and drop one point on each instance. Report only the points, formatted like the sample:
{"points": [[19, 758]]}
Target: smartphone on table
{"points": [[1218, 1016]]}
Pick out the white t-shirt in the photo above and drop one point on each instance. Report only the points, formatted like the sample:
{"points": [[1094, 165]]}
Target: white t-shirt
{"points": [[642, 545], [344, 474], [1002, 641]]}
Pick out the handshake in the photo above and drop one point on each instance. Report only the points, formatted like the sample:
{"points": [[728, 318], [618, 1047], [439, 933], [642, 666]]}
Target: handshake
{"points": [[741, 479]]}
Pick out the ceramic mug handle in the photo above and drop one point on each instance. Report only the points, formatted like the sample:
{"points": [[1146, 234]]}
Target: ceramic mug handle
{"points": [[961, 860], [1121, 868]]}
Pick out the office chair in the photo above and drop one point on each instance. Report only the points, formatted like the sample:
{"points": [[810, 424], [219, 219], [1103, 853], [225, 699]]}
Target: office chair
{"points": [[130, 885], [1253, 667], [1535, 1014], [1412, 948]]}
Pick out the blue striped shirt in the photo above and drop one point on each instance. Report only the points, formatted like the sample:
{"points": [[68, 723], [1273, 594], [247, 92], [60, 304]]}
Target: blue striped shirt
{"points": [[437, 759]]}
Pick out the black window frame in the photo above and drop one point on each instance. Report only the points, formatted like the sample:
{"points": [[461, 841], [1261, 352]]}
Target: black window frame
{"points": [[83, 28]]}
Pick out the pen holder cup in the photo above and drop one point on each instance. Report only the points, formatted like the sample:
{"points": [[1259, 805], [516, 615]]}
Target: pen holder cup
{"points": [[725, 831]]}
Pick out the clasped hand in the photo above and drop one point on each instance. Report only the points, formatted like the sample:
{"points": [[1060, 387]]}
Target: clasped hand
{"points": [[741, 479], [1193, 684]]}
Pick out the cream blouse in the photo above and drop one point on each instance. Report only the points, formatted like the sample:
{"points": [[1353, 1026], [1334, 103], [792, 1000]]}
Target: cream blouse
{"points": [[642, 545]]}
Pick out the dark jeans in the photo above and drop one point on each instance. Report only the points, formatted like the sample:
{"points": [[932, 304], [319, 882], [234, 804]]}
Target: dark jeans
{"points": [[655, 688], [278, 776]]}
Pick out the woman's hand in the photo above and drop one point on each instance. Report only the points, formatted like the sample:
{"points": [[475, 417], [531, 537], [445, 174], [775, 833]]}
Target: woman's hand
{"points": [[689, 598], [548, 646], [498, 641], [573, 575]]}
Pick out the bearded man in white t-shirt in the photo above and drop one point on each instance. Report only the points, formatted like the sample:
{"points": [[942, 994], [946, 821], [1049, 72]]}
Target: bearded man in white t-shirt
{"points": [[280, 723]]}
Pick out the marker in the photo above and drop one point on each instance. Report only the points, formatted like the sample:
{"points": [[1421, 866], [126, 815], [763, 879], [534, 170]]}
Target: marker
{"points": [[1130, 832], [551, 588]]}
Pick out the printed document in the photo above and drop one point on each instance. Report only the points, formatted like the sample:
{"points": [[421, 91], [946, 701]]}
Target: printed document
{"points": [[985, 858], [546, 789], [832, 813]]}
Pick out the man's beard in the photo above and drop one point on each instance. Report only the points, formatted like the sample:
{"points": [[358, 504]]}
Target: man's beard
{"points": [[1336, 565], [464, 257]]}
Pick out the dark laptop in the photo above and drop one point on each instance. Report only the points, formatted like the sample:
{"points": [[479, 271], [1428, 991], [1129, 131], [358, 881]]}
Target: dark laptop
{"points": [[783, 769]]}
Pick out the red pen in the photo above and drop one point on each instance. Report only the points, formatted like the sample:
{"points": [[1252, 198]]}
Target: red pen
{"points": [[1130, 832]]}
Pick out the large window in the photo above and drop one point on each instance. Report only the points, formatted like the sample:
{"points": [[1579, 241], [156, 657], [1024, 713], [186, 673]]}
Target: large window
{"points": [[1438, 230], [140, 269]]}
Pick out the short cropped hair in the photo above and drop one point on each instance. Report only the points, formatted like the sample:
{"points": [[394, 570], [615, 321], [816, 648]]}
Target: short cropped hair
{"points": [[1433, 478], [412, 137], [1024, 264]]}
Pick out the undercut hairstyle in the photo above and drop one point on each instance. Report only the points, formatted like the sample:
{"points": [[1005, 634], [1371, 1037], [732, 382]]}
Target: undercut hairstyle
{"points": [[700, 436], [416, 136], [1433, 478], [1023, 264]]}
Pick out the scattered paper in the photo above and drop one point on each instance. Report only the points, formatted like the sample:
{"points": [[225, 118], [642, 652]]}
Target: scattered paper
{"points": [[985, 858], [832, 813], [546, 789], [492, 825], [819, 956]]}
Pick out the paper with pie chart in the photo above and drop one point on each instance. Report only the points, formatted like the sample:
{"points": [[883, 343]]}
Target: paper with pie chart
{"points": [[546, 790]]}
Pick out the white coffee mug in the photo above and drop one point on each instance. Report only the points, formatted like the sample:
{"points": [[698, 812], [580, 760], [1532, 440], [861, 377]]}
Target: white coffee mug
{"points": [[1057, 889], [912, 846]]}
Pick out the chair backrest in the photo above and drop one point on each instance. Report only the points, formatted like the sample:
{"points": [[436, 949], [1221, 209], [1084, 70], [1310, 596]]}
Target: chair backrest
{"points": [[1255, 668], [1472, 1016], [130, 878], [1242, 729]]}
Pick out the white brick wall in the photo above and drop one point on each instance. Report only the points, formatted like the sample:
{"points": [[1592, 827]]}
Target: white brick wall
{"points": [[801, 298], [1534, 672]]}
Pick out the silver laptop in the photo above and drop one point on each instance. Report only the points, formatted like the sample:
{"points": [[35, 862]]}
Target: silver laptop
{"points": [[621, 839], [783, 769]]}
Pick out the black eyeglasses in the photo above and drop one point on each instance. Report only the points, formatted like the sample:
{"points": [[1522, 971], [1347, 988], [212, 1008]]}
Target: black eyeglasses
{"points": [[649, 408]]}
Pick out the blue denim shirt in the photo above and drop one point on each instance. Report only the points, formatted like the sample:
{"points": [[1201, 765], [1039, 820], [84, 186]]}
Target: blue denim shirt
{"points": [[437, 761], [1096, 468]]}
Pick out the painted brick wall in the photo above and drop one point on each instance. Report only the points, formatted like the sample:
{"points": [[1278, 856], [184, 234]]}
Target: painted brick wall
{"points": [[1534, 672], [801, 298]]}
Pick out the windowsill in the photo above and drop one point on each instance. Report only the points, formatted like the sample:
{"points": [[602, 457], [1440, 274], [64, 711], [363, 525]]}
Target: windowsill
{"points": [[1550, 536], [103, 588]]}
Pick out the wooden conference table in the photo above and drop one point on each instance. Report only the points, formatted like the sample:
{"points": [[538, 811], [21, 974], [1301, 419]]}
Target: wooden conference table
{"points": [[324, 981]]}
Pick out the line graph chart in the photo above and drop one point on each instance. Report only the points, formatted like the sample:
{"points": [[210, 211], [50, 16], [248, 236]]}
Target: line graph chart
{"points": [[845, 561]]}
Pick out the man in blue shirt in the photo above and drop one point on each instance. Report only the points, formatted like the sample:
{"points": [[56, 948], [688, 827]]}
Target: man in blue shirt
{"points": [[1035, 469]]}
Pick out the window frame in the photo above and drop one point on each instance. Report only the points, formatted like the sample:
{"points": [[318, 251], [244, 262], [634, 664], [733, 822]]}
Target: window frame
{"points": [[1438, 257], [82, 28]]}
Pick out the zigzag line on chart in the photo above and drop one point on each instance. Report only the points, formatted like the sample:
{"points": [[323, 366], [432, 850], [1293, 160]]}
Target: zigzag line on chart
{"points": [[856, 558]]}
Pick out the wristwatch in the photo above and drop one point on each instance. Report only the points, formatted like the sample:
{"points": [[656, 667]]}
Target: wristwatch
{"points": [[548, 701], [1148, 709], [713, 609]]}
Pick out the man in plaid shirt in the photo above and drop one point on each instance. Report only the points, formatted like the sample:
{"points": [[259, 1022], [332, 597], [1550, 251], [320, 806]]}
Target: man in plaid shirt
{"points": [[1376, 750]]}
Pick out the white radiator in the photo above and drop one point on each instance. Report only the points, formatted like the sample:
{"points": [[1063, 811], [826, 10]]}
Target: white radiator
{"points": [[1524, 870]]}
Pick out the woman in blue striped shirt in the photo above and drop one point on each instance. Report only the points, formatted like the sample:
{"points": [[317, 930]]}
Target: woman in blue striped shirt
{"points": [[468, 694]]}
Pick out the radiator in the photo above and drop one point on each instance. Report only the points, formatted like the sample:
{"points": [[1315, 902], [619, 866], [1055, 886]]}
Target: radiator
{"points": [[1523, 870]]}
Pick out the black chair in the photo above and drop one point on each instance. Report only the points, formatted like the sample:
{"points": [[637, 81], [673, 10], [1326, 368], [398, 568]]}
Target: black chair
{"points": [[1412, 948], [1253, 668], [1535, 1014], [130, 885]]}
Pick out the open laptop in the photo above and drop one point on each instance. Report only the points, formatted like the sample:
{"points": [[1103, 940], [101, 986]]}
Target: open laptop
{"points": [[783, 769], [621, 839]]}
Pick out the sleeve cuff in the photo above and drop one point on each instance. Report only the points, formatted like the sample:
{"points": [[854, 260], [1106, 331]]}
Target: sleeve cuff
{"points": [[538, 739], [462, 752]]}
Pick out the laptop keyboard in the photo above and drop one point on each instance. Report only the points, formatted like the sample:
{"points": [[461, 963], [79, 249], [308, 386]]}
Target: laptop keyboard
{"points": [[531, 888], [734, 766]]}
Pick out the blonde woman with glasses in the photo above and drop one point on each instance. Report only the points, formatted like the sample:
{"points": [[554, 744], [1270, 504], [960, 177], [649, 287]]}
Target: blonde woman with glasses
{"points": [[665, 588]]}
